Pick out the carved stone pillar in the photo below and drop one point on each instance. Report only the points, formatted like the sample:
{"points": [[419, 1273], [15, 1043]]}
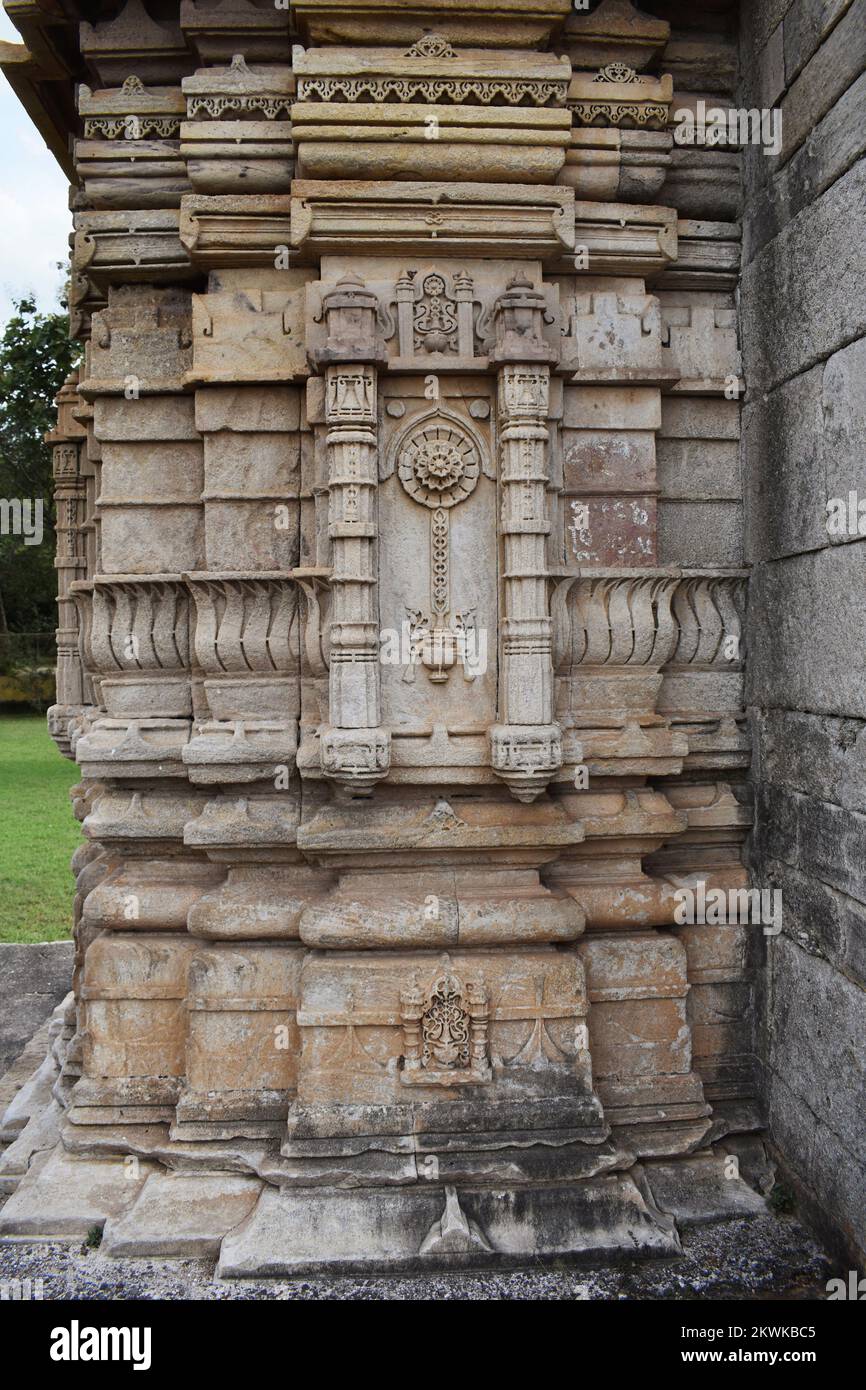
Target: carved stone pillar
{"points": [[70, 559], [526, 744], [355, 750]]}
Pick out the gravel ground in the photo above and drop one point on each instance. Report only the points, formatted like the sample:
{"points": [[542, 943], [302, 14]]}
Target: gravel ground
{"points": [[765, 1257]]}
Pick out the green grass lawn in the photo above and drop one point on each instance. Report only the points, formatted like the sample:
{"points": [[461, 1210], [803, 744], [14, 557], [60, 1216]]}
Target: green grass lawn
{"points": [[38, 832]]}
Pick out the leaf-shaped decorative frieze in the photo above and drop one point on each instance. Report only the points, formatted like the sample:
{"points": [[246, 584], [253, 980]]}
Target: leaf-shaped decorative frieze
{"points": [[245, 623], [709, 615], [140, 624], [81, 592], [614, 620], [652, 619]]}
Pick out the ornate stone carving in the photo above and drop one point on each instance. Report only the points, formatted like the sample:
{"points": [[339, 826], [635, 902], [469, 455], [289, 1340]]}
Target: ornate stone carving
{"points": [[439, 463], [454, 1231], [215, 91], [438, 322], [526, 757], [358, 757], [435, 316], [617, 96], [615, 620], [520, 315], [616, 72], [431, 72], [132, 127], [509, 91], [445, 1031], [140, 645], [431, 46], [647, 619], [709, 612], [70, 505]]}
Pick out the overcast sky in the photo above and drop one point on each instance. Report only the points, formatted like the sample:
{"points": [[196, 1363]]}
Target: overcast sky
{"points": [[34, 216]]}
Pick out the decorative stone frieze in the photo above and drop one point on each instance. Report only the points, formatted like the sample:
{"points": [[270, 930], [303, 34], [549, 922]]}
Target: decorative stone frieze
{"points": [[239, 90], [432, 72], [131, 112]]}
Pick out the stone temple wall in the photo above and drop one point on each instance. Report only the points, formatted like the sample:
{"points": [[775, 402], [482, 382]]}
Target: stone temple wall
{"points": [[804, 445], [402, 633]]}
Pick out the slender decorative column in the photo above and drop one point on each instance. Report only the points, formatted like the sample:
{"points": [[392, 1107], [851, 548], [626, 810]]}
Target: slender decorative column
{"points": [[67, 441], [526, 745], [355, 749]]}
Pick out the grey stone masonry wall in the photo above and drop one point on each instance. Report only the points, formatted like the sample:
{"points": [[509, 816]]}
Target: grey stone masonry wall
{"points": [[33, 980], [803, 329]]}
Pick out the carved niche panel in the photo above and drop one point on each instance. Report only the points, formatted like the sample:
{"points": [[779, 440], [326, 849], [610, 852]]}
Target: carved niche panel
{"points": [[445, 1031], [438, 557]]}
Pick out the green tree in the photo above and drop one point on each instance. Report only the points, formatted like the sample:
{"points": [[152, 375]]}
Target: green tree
{"points": [[36, 356]]}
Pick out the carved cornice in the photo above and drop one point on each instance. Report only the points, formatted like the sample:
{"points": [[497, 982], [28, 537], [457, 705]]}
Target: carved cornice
{"points": [[216, 31], [112, 247], [623, 239], [615, 32], [473, 219], [234, 231], [489, 24], [133, 42]]}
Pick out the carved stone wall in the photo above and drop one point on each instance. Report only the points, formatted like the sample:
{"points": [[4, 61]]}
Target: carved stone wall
{"points": [[402, 634]]}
